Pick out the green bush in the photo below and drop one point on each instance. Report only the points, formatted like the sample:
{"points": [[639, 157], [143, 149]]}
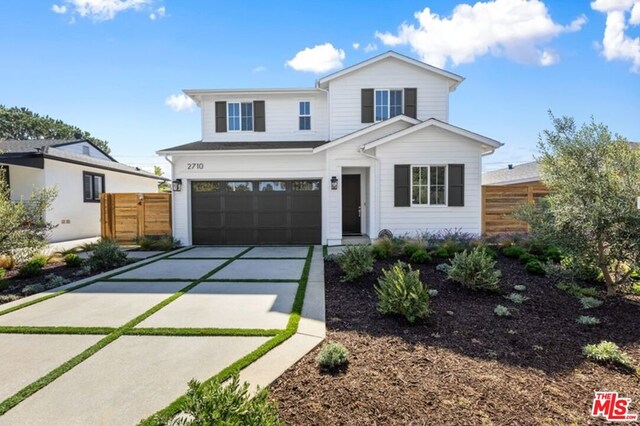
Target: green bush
{"points": [[535, 267], [527, 257], [4, 284], [513, 251], [400, 291], [474, 270], [106, 255], [32, 289], [6, 298], [580, 269], [590, 302], [72, 260], [40, 260], [32, 268], [553, 253], [158, 243], [355, 261], [332, 355], [577, 291], [489, 251], [442, 252], [635, 289], [607, 353], [587, 320], [411, 246], [215, 403], [502, 311], [516, 298], [420, 256], [53, 280]]}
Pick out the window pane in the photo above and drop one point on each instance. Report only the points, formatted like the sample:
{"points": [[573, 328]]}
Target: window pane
{"points": [[98, 187], [206, 186], [305, 185], [88, 187], [240, 186], [415, 199], [305, 123], [247, 116], [305, 108], [233, 113], [272, 186], [395, 103]]}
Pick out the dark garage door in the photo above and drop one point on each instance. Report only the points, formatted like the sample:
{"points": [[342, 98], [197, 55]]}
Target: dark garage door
{"points": [[256, 212]]}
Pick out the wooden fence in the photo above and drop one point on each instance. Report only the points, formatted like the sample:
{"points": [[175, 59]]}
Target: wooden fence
{"points": [[125, 217], [499, 202]]}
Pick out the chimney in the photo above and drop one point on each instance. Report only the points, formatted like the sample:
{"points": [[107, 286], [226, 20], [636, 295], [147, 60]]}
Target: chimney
{"points": [[510, 166], [77, 135]]}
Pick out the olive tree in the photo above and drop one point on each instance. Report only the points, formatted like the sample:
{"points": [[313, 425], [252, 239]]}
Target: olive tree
{"points": [[593, 179]]}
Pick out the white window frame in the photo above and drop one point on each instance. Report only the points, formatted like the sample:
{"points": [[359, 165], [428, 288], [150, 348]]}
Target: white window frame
{"points": [[304, 115], [388, 106], [446, 191], [240, 116]]}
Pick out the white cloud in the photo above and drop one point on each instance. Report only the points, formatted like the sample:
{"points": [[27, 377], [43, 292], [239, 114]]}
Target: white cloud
{"points": [[320, 58], [616, 44], [158, 13], [515, 29], [180, 102], [104, 10], [355, 46], [259, 69], [60, 9], [371, 47]]}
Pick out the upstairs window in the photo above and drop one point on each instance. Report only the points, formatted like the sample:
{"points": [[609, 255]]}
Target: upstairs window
{"points": [[240, 116], [93, 186], [388, 104], [304, 117]]}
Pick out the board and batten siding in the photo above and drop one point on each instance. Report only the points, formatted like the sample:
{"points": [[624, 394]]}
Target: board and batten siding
{"points": [[345, 93], [430, 146], [281, 117]]}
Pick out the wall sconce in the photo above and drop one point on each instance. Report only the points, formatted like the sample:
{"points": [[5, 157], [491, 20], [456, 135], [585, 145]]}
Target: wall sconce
{"points": [[177, 185], [334, 182]]}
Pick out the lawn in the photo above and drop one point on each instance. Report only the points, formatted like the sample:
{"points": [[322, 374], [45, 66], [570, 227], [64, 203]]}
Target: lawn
{"points": [[464, 364]]}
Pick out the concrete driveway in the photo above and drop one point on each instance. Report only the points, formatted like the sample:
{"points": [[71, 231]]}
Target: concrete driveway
{"points": [[234, 299]]}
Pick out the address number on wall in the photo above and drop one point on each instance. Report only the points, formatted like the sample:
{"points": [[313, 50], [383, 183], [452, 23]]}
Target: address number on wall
{"points": [[195, 166]]}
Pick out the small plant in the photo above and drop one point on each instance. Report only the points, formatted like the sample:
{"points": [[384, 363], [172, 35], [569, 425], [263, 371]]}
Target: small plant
{"points": [[6, 298], [535, 267], [106, 255], [443, 267], [502, 311], [519, 287], [516, 298], [526, 258], [32, 289], [215, 403], [442, 252], [607, 353], [332, 356], [489, 251], [587, 320], [383, 248], [32, 268], [635, 289], [513, 251], [432, 292], [158, 243], [72, 260], [577, 291], [355, 261], [400, 291], [84, 270], [420, 256], [53, 280], [590, 302], [474, 270], [553, 253], [40, 260], [411, 246]]}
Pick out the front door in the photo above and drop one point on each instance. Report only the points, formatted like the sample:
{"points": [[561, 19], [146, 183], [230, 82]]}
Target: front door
{"points": [[350, 204]]}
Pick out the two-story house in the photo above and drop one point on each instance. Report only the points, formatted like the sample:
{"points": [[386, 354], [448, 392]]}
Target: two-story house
{"points": [[369, 148]]}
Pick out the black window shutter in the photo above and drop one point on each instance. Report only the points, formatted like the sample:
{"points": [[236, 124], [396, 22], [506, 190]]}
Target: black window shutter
{"points": [[410, 102], [258, 116], [221, 117], [456, 185], [402, 185], [366, 105]]}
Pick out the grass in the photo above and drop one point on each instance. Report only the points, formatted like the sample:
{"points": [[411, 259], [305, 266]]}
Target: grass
{"points": [[167, 331], [55, 330]]}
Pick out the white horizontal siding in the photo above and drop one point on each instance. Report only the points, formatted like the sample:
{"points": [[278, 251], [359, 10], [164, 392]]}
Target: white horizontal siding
{"points": [[281, 118], [430, 146], [344, 92]]}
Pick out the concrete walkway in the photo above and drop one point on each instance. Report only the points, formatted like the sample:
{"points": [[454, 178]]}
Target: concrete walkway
{"points": [[136, 375]]}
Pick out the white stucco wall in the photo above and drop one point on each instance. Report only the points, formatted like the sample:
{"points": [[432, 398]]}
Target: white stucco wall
{"points": [[23, 181]]}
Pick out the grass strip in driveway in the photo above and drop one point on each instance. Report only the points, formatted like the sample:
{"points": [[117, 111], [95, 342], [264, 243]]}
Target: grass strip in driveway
{"points": [[55, 330], [249, 280], [168, 331], [164, 415], [34, 387]]}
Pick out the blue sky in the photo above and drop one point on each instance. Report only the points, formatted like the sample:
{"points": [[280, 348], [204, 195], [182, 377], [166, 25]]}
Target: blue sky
{"points": [[108, 67]]}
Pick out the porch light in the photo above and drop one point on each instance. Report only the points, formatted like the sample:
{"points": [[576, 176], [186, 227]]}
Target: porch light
{"points": [[177, 185], [334, 182]]}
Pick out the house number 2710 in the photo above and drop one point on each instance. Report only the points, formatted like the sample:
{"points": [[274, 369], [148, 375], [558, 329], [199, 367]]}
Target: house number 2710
{"points": [[195, 166]]}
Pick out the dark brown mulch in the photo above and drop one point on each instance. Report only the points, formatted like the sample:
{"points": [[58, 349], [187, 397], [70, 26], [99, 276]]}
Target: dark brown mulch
{"points": [[464, 365]]}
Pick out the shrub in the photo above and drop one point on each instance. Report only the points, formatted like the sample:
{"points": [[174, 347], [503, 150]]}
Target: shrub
{"points": [[516, 298], [72, 260], [535, 267], [355, 261], [32, 268], [580, 269], [527, 257], [3, 282], [474, 270], [412, 245], [420, 256], [106, 255], [635, 289], [383, 248], [607, 353], [39, 260], [332, 355], [577, 291], [513, 251], [442, 252], [400, 291], [215, 403], [32, 289], [553, 253], [519, 287], [6, 298], [489, 251], [587, 320], [158, 243], [502, 311], [590, 302], [53, 280], [443, 267]]}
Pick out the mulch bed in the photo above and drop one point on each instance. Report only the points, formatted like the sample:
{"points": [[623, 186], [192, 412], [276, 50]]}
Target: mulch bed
{"points": [[464, 365]]}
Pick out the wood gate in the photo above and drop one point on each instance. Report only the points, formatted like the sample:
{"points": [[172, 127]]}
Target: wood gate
{"points": [[125, 217], [499, 202]]}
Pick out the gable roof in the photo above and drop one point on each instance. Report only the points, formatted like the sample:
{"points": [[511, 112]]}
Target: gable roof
{"points": [[364, 131], [242, 146], [454, 79], [489, 144], [15, 146], [527, 172]]}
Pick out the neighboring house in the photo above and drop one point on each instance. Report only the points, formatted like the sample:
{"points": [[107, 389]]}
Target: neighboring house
{"points": [[80, 171], [513, 175], [368, 148]]}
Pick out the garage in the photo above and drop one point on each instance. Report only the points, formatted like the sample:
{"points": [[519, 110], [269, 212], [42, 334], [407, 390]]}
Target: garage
{"points": [[256, 212]]}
